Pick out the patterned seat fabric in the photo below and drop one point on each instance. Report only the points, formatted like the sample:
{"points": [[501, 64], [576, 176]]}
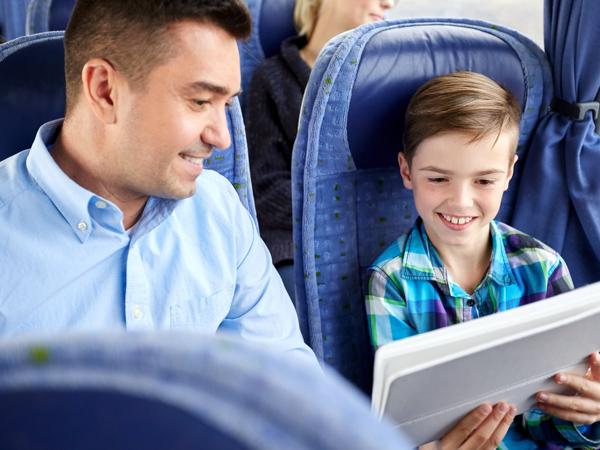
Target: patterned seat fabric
{"points": [[176, 391], [348, 200], [33, 92]]}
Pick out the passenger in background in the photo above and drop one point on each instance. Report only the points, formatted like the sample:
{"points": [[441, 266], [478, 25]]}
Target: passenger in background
{"points": [[457, 263], [273, 109]]}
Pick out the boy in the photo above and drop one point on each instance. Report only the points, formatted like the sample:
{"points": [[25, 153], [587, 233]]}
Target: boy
{"points": [[457, 263]]}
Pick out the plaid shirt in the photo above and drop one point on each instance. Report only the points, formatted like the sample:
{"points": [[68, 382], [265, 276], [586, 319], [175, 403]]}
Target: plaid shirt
{"points": [[411, 292]]}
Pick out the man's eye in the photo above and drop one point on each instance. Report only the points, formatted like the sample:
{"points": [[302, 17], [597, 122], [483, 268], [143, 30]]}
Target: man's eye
{"points": [[200, 102], [437, 179], [486, 182]]}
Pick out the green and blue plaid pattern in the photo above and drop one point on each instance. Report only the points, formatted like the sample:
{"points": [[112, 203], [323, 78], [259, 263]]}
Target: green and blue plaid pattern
{"points": [[411, 292]]}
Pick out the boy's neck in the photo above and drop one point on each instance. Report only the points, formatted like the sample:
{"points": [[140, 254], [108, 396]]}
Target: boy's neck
{"points": [[467, 265]]}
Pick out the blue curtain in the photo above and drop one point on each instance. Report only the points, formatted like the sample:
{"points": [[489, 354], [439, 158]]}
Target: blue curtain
{"points": [[559, 195]]}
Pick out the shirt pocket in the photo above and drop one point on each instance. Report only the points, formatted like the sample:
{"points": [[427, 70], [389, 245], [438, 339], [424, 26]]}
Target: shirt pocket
{"points": [[203, 314]]}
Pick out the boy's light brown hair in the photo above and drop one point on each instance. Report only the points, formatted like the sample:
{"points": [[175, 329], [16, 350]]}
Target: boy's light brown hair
{"points": [[462, 101]]}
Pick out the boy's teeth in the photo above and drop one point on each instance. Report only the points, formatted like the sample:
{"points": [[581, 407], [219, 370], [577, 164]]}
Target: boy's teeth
{"points": [[457, 220]]}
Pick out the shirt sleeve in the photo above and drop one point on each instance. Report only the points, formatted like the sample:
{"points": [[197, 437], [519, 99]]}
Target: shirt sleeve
{"points": [[387, 312], [552, 430], [261, 309]]}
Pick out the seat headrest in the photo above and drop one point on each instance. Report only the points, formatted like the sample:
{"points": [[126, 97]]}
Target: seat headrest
{"points": [[398, 57], [276, 23], [60, 12], [395, 62], [25, 102]]}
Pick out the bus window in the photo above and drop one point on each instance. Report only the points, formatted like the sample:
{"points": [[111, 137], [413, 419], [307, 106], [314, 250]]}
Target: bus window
{"points": [[525, 16]]}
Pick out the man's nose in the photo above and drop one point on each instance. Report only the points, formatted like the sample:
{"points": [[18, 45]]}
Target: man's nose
{"points": [[216, 133]]}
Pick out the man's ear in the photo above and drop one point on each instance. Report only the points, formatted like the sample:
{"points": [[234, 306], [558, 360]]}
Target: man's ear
{"points": [[511, 171], [404, 170], [99, 79]]}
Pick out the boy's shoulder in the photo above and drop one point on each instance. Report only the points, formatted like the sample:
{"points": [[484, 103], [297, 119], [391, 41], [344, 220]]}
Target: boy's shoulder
{"points": [[523, 249], [391, 259]]}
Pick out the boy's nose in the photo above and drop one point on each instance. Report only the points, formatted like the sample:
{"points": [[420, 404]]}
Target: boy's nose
{"points": [[461, 197]]}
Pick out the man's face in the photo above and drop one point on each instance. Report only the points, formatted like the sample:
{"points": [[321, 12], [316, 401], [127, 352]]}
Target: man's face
{"points": [[166, 129], [458, 185]]}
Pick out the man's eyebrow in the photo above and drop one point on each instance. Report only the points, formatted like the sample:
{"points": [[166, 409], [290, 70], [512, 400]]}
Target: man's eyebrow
{"points": [[211, 87], [449, 172]]}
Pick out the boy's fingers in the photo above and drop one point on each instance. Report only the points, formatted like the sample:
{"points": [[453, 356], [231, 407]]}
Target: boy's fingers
{"points": [[502, 429], [492, 428], [575, 403], [570, 415], [455, 438], [594, 362], [584, 386]]}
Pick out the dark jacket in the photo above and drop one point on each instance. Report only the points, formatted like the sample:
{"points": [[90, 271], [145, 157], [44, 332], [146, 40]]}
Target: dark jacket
{"points": [[272, 112]]}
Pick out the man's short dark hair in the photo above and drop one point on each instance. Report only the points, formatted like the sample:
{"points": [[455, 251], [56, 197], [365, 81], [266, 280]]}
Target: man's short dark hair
{"points": [[131, 34]]}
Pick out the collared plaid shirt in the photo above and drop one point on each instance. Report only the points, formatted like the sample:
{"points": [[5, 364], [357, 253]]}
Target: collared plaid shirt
{"points": [[411, 292]]}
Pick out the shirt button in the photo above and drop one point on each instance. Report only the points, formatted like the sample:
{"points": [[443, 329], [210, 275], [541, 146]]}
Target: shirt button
{"points": [[470, 303], [137, 313], [82, 226], [100, 204]]}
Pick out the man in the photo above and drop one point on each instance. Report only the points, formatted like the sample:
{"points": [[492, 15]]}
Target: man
{"points": [[108, 221]]}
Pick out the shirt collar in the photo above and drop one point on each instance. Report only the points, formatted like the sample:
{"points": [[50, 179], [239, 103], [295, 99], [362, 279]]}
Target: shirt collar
{"points": [[421, 260], [69, 198], [75, 202]]}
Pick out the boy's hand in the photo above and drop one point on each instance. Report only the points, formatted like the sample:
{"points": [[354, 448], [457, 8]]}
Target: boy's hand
{"points": [[582, 407], [483, 428]]}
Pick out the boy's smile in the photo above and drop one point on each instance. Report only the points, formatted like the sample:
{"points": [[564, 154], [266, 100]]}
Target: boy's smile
{"points": [[458, 185]]}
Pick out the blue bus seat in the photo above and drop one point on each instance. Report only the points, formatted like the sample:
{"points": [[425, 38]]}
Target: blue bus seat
{"points": [[48, 15], [272, 22], [121, 391], [349, 203], [13, 14], [33, 92]]}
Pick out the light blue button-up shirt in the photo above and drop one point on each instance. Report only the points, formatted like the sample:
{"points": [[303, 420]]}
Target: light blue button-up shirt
{"points": [[68, 263]]}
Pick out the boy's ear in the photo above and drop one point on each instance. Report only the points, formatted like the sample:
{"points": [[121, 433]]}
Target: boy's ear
{"points": [[404, 171], [511, 171]]}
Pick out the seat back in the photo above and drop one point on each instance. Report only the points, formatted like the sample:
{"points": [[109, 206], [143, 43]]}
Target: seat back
{"points": [[272, 22], [349, 203], [32, 77], [176, 391], [48, 15], [12, 18]]}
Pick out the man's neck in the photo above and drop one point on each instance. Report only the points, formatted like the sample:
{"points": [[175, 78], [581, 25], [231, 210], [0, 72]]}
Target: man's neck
{"points": [[87, 173]]}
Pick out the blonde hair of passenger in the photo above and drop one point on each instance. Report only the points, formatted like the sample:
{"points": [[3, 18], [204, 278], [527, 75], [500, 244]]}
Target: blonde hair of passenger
{"points": [[306, 13]]}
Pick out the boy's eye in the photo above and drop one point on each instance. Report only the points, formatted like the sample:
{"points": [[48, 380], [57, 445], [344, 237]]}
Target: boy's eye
{"points": [[485, 182], [200, 102], [437, 179]]}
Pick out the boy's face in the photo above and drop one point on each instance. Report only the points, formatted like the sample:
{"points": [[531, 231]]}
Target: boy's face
{"points": [[458, 186]]}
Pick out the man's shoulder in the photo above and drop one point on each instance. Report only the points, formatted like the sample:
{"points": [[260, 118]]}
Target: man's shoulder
{"points": [[14, 177], [214, 194], [522, 248]]}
